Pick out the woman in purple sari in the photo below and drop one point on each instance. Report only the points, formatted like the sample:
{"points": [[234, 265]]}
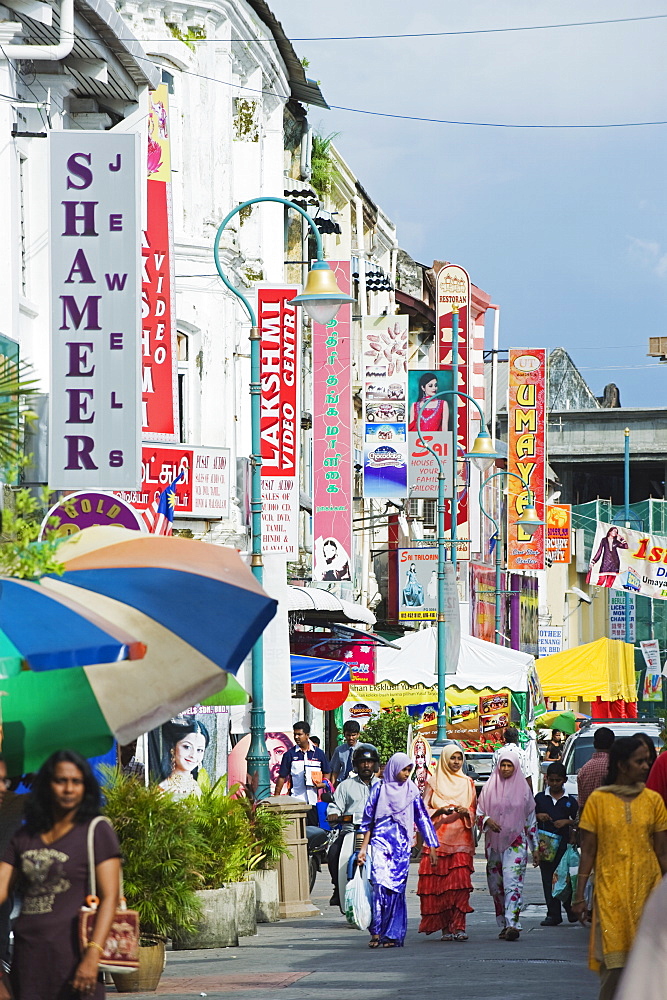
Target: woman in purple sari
{"points": [[393, 810]]}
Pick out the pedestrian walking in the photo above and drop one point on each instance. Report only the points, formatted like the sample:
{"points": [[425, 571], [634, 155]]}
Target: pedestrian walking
{"points": [[506, 813], [554, 748], [650, 746], [511, 742], [593, 773], [657, 779], [305, 767], [393, 810], [444, 890], [556, 813], [342, 758], [48, 860], [347, 809], [623, 832]]}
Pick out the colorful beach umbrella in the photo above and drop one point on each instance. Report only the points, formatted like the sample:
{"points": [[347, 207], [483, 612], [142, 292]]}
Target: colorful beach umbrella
{"points": [[565, 721], [188, 612]]}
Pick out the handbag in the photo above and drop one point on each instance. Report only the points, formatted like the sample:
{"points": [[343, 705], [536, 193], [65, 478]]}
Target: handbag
{"points": [[121, 948], [547, 845]]}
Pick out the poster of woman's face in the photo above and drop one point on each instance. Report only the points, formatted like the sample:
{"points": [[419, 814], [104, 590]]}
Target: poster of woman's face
{"points": [[423, 389], [190, 747]]}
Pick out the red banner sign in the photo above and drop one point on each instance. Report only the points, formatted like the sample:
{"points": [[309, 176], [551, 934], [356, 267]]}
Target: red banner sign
{"points": [[158, 335], [280, 420], [526, 455], [453, 290], [204, 489]]}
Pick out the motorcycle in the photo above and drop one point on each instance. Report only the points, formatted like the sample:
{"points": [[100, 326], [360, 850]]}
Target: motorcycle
{"points": [[318, 840]]}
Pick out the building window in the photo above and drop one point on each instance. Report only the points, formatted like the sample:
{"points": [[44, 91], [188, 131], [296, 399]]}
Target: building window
{"points": [[168, 78]]}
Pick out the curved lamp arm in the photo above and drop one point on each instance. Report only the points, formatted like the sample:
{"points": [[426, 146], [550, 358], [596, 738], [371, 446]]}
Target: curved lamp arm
{"points": [[503, 472], [223, 225], [444, 392]]}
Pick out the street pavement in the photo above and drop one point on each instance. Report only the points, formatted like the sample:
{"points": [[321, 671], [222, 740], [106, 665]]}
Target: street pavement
{"points": [[323, 959]]}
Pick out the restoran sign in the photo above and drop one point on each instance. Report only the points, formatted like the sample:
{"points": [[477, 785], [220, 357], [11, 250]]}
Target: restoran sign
{"points": [[94, 418]]}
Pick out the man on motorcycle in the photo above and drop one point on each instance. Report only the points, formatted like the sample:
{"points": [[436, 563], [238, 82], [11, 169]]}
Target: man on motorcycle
{"points": [[347, 808]]}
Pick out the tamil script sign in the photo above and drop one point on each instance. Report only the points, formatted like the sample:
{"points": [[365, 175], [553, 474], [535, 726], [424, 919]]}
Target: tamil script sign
{"points": [[94, 419], [332, 440], [159, 384], [202, 492], [633, 561], [526, 455], [280, 422]]}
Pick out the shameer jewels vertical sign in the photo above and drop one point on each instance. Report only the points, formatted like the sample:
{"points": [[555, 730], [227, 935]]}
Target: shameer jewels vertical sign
{"points": [[94, 418], [526, 455], [280, 422]]}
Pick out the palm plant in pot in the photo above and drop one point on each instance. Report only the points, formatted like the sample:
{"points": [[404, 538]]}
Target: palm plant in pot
{"points": [[267, 830], [162, 850]]}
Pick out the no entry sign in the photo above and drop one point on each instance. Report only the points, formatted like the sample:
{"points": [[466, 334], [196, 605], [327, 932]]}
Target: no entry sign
{"points": [[326, 696]]}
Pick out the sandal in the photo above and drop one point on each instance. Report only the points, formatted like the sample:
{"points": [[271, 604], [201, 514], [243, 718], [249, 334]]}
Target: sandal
{"points": [[389, 944], [502, 934], [447, 937], [374, 942], [460, 936], [512, 934]]}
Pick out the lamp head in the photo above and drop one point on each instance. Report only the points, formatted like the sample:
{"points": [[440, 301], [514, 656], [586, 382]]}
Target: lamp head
{"points": [[483, 454], [322, 298], [529, 520]]}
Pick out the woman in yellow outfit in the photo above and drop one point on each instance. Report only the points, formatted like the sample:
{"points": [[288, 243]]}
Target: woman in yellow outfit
{"points": [[624, 839]]}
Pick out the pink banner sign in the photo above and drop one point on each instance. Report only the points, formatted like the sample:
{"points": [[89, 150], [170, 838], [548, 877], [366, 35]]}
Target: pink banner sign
{"points": [[332, 440]]}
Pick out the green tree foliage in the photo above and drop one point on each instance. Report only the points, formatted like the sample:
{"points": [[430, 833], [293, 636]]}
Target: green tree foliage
{"points": [[388, 731], [21, 555], [16, 388], [162, 852], [321, 164]]}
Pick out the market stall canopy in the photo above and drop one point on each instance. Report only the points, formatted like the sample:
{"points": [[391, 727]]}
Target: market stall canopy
{"points": [[321, 607], [481, 664], [313, 670], [603, 669]]}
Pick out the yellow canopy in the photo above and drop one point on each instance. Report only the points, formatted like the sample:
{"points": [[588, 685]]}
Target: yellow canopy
{"points": [[603, 669]]}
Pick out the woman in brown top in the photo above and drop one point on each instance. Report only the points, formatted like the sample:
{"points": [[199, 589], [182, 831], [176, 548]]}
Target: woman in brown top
{"points": [[47, 861]]}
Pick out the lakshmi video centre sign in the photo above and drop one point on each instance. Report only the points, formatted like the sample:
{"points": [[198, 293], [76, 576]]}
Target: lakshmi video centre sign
{"points": [[94, 417], [204, 490], [280, 420], [526, 456]]}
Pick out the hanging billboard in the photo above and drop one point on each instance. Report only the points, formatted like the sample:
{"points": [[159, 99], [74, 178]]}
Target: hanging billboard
{"points": [[453, 295], [434, 416], [384, 400], [559, 532], [526, 455], [159, 379], [332, 440], [280, 419], [418, 584], [630, 561], [94, 418], [203, 491]]}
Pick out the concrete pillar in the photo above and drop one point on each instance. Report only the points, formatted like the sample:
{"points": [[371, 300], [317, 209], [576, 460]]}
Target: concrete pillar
{"points": [[293, 882]]}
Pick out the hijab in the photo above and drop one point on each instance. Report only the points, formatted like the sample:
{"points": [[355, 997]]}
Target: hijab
{"points": [[507, 801], [395, 800], [450, 788]]}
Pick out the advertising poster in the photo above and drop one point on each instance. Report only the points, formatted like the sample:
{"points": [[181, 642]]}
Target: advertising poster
{"points": [[332, 440], [526, 456], [483, 602], [418, 584], [617, 616], [436, 422], [159, 380], [189, 753], [559, 532], [453, 292], [204, 490], [280, 418], [524, 604], [633, 561], [77, 511], [478, 716], [385, 376], [94, 393]]}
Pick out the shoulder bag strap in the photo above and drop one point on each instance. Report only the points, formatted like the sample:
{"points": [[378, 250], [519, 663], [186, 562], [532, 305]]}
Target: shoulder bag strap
{"points": [[92, 880]]}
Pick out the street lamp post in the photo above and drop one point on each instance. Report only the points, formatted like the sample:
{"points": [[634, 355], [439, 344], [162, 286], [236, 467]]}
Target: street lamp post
{"points": [[482, 451], [529, 521], [321, 298]]}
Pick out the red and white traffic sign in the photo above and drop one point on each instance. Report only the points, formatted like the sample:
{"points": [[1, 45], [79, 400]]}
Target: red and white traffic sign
{"points": [[326, 696]]}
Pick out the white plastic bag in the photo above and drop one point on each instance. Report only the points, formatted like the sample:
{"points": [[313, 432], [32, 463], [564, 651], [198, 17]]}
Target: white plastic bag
{"points": [[358, 895]]}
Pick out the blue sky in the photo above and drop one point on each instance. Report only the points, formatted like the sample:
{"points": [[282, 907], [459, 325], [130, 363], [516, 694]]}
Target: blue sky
{"points": [[566, 229]]}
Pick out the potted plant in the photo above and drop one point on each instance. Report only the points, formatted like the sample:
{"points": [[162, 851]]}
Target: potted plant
{"points": [[162, 850], [267, 830], [225, 892]]}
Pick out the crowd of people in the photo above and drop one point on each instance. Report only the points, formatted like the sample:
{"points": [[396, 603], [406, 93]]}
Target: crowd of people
{"points": [[618, 820]]}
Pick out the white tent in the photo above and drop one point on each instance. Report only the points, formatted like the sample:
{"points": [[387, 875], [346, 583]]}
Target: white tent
{"points": [[481, 664]]}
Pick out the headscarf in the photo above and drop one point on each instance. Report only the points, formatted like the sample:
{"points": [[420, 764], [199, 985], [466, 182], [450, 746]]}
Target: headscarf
{"points": [[450, 788], [395, 799], [507, 801]]}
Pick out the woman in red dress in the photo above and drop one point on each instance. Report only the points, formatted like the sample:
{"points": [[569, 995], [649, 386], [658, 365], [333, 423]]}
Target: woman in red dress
{"points": [[432, 415], [444, 890]]}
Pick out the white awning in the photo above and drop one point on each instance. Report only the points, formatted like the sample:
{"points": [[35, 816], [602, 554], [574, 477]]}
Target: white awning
{"points": [[325, 606]]}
